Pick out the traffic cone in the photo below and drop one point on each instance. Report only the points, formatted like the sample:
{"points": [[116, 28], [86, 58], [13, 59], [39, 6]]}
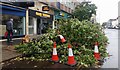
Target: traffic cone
{"points": [[71, 60], [96, 51], [54, 55], [62, 38]]}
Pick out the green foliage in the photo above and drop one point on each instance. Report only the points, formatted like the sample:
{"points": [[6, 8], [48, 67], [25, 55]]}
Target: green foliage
{"points": [[81, 35], [40, 48], [84, 11]]}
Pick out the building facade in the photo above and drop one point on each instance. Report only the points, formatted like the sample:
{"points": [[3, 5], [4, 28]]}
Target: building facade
{"points": [[39, 20], [17, 13], [33, 20]]}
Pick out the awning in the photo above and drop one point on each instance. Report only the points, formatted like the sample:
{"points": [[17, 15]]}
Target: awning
{"points": [[12, 10]]}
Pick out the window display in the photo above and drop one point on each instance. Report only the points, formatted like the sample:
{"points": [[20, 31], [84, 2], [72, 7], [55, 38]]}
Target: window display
{"points": [[18, 24], [31, 25]]}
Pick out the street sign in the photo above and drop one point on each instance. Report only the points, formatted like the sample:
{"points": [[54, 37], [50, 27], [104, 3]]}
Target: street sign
{"points": [[45, 8]]}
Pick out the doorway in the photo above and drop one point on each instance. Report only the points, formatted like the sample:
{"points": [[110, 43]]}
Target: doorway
{"points": [[38, 26]]}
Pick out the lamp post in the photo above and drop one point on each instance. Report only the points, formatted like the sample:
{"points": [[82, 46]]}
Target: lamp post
{"points": [[27, 20]]}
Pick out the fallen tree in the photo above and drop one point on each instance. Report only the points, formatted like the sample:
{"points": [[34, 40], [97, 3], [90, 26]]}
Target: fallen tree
{"points": [[81, 35]]}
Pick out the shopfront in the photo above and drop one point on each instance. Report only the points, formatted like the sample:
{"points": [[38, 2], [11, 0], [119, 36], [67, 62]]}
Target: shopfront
{"points": [[39, 22], [18, 15], [60, 15]]}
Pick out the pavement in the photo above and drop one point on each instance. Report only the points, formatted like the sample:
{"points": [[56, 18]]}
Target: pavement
{"points": [[112, 48], [9, 52]]}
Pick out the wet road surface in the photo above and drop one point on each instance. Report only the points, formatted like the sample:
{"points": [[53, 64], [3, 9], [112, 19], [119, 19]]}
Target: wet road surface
{"points": [[112, 61]]}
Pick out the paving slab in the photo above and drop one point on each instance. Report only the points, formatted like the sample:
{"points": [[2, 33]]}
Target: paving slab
{"points": [[9, 52]]}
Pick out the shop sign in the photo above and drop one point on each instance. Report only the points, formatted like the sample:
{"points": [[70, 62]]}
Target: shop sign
{"points": [[45, 8], [62, 14], [42, 14], [38, 14], [46, 15]]}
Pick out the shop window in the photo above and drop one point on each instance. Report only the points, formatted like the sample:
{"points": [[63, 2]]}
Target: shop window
{"points": [[31, 25], [46, 24], [18, 24]]}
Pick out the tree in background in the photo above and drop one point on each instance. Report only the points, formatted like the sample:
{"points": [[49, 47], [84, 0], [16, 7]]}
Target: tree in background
{"points": [[84, 11], [104, 25]]}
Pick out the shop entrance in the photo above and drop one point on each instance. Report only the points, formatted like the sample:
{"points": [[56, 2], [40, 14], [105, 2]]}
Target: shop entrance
{"points": [[42, 26], [38, 26]]}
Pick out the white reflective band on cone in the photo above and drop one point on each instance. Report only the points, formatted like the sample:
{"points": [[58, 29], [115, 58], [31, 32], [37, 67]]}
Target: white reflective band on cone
{"points": [[96, 49], [61, 36], [70, 52], [54, 51]]}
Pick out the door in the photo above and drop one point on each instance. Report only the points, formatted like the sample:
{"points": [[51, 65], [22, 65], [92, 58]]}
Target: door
{"points": [[39, 26]]}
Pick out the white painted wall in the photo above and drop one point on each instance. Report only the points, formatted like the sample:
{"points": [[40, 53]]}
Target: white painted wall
{"points": [[35, 25]]}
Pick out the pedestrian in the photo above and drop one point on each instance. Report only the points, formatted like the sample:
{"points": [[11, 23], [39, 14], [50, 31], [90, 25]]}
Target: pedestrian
{"points": [[9, 28]]}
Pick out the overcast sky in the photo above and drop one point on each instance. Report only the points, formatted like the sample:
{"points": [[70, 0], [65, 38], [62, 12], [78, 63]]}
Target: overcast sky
{"points": [[107, 9]]}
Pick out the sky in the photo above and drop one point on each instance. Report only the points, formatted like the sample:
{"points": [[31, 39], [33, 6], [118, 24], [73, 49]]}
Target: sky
{"points": [[106, 9]]}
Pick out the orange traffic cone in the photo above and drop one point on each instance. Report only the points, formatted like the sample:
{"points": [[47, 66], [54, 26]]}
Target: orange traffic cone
{"points": [[96, 52], [55, 56], [62, 38], [71, 60]]}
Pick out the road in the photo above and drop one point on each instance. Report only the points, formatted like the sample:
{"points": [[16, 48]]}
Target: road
{"points": [[112, 48]]}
